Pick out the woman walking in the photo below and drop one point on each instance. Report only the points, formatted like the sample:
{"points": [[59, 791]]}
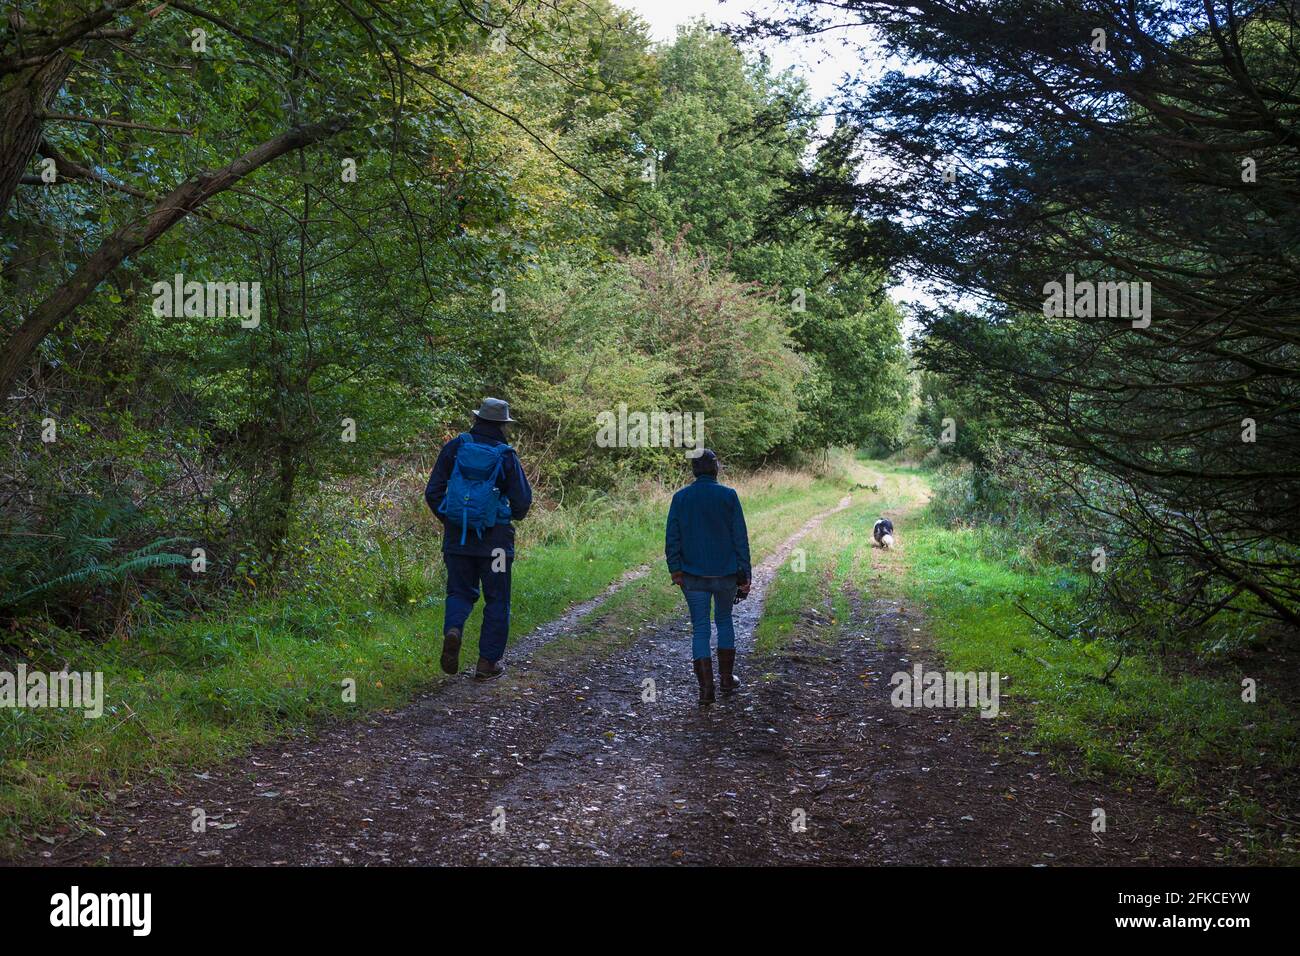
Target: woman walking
{"points": [[707, 547]]}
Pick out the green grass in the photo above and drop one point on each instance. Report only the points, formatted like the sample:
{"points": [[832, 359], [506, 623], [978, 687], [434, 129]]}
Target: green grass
{"points": [[188, 694], [836, 554], [1190, 735], [1145, 721], [807, 579]]}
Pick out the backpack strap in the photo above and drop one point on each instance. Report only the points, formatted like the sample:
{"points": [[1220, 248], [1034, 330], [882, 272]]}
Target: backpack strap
{"points": [[501, 451], [464, 512]]}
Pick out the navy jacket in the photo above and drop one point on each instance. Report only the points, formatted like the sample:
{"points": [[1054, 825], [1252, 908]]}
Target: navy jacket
{"points": [[513, 484], [706, 533]]}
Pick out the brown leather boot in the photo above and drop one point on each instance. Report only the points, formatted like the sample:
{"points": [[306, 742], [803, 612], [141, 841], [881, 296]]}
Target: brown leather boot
{"points": [[726, 664], [704, 674], [488, 670], [451, 651]]}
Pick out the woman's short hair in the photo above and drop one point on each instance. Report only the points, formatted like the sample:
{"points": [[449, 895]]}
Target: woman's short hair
{"points": [[705, 463]]}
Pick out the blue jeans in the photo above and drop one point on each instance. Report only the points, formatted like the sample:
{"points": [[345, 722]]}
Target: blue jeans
{"points": [[464, 574], [700, 593]]}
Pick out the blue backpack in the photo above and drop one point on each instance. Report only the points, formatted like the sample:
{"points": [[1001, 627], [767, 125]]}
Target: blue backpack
{"points": [[473, 499]]}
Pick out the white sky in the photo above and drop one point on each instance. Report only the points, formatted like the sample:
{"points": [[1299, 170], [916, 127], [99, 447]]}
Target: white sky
{"points": [[824, 61]]}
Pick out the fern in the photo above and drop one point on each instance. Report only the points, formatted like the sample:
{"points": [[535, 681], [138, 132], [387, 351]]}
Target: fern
{"points": [[153, 547], [96, 573]]}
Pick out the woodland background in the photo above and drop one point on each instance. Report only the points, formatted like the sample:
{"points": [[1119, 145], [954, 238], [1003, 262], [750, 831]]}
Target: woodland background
{"points": [[665, 225]]}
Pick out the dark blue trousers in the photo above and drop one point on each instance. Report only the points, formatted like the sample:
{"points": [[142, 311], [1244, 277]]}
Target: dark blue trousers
{"points": [[465, 574]]}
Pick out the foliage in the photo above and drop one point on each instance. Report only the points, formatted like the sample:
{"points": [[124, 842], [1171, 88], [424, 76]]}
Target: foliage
{"points": [[85, 550], [723, 139], [663, 332], [497, 237], [1157, 154]]}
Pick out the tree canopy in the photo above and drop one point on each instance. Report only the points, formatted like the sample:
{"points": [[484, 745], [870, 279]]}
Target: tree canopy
{"points": [[1149, 146], [433, 201]]}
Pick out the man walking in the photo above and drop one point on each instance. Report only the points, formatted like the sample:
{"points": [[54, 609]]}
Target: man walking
{"points": [[476, 490], [707, 547]]}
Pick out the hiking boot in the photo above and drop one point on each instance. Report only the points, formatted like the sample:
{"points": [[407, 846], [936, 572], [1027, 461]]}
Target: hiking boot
{"points": [[451, 651], [704, 674], [488, 670], [726, 663]]}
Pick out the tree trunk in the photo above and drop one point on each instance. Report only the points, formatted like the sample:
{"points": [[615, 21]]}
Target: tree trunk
{"points": [[24, 97], [277, 532], [139, 233]]}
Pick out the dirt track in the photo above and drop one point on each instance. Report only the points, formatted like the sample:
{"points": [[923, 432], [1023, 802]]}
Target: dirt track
{"points": [[573, 766]]}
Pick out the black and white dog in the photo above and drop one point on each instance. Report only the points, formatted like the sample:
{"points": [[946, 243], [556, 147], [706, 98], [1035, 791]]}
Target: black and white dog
{"points": [[883, 532]]}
